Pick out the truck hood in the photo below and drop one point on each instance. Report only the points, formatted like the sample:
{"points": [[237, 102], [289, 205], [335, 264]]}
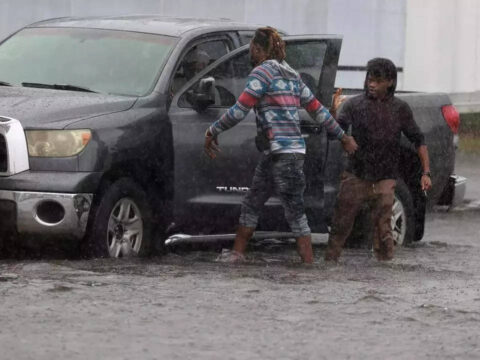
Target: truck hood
{"points": [[39, 108]]}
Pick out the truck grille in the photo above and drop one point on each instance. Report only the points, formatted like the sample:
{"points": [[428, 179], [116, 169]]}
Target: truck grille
{"points": [[3, 154], [13, 147]]}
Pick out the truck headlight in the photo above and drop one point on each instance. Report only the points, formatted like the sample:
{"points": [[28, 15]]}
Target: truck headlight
{"points": [[57, 143]]}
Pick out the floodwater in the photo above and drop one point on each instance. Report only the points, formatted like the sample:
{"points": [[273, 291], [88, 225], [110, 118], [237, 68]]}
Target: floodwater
{"points": [[425, 304]]}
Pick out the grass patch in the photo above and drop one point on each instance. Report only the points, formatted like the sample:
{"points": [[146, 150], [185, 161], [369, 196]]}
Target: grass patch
{"points": [[469, 133], [469, 144], [470, 124]]}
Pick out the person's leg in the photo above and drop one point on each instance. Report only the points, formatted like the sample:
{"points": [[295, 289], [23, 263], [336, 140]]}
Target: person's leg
{"points": [[242, 236], [289, 181], [352, 193], [304, 248], [383, 245], [252, 204]]}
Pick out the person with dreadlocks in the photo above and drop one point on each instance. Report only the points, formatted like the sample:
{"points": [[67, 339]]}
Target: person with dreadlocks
{"points": [[377, 119], [276, 91]]}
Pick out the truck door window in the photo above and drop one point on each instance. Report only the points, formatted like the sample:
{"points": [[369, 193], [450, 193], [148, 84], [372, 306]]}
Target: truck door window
{"points": [[196, 59], [231, 76], [245, 36], [230, 79], [307, 59]]}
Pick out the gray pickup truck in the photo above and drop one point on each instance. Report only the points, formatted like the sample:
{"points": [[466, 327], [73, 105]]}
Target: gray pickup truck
{"points": [[102, 125]]}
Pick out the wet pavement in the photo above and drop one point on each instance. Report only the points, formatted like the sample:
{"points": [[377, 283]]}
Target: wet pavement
{"points": [[425, 304]]}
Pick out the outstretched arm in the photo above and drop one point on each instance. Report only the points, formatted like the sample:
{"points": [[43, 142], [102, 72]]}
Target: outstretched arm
{"points": [[228, 120], [321, 115], [413, 133], [257, 84], [235, 114], [426, 181]]}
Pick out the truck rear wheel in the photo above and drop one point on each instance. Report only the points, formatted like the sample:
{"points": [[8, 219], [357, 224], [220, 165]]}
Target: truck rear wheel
{"points": [[403, 215], [121, 224]]}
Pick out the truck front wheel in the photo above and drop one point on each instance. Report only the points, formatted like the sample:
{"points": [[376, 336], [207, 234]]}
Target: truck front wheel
{"points": [[121, 223]]}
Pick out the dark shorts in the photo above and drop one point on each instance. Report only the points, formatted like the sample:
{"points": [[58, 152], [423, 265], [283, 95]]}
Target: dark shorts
{"points": [[283, 176]]}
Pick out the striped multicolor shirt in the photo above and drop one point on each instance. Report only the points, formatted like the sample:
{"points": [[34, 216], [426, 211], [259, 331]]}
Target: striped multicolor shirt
{"points": [[277, 92]]}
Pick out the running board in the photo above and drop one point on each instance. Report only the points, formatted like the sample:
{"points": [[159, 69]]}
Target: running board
{"points": [[177, 239]]}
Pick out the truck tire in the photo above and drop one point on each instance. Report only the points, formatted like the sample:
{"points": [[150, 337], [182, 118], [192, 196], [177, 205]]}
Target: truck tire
{"points": [[121, 222], [420, 204], [403, 218]]}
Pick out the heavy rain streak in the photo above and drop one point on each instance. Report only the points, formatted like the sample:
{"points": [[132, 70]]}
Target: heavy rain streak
{"points": [[193, 185]]}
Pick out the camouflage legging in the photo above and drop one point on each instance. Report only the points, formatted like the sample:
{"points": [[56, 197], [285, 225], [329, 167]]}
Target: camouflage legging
{"points": [[286, 179]]}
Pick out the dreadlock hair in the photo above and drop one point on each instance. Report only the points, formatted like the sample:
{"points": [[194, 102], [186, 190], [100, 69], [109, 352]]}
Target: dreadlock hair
{"points": [[384, 69], [270, 41]]}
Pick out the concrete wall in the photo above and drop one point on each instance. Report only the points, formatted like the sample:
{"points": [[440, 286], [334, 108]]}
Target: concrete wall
{"points": [[370, 27], [437, 42], [442, 51], [304, 16]]}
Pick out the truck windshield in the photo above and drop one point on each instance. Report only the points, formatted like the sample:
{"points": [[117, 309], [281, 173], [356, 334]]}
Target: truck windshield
{"points": [[105, 61]]}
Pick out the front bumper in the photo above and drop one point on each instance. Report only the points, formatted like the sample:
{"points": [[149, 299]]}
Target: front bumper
{"points": [[49, 214], [454, 194], [459, 188], [47, 203]]}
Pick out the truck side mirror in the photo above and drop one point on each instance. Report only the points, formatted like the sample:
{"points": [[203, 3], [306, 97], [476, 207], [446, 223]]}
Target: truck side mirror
{"points": [[202, 95]]}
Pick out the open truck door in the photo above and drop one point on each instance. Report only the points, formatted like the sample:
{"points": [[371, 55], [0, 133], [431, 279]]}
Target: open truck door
{"points": [[214, 189]]}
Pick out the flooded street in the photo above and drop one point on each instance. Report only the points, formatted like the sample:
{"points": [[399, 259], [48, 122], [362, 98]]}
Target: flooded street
{"points": [[425, 304]]}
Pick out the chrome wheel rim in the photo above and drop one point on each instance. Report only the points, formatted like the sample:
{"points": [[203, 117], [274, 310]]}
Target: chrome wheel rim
{"points": [[399, 222], [125, 229]]}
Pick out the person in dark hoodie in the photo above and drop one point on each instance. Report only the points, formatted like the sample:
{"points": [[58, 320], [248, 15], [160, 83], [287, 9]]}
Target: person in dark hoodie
{"points": [[377, 119], [276, 91]]}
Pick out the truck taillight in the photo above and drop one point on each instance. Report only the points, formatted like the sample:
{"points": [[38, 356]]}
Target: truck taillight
{"points": [[452, 117]]}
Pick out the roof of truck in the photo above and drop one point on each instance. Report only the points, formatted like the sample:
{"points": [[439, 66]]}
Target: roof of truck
{"points": [[155, 24]]}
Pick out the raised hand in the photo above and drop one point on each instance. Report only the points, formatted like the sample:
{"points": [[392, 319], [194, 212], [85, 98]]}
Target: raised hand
{"points": [[338, 99]]}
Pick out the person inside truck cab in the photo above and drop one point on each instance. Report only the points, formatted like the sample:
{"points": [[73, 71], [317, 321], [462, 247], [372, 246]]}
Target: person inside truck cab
{"points": [[276, 91], [195, 61], [377, 119]]}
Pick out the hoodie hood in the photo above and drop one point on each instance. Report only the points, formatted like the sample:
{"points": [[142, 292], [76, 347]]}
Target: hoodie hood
{"points": [[284, 69]]}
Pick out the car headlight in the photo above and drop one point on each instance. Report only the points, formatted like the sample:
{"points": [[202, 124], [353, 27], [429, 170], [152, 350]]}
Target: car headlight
{"points": [[57, 143]]}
